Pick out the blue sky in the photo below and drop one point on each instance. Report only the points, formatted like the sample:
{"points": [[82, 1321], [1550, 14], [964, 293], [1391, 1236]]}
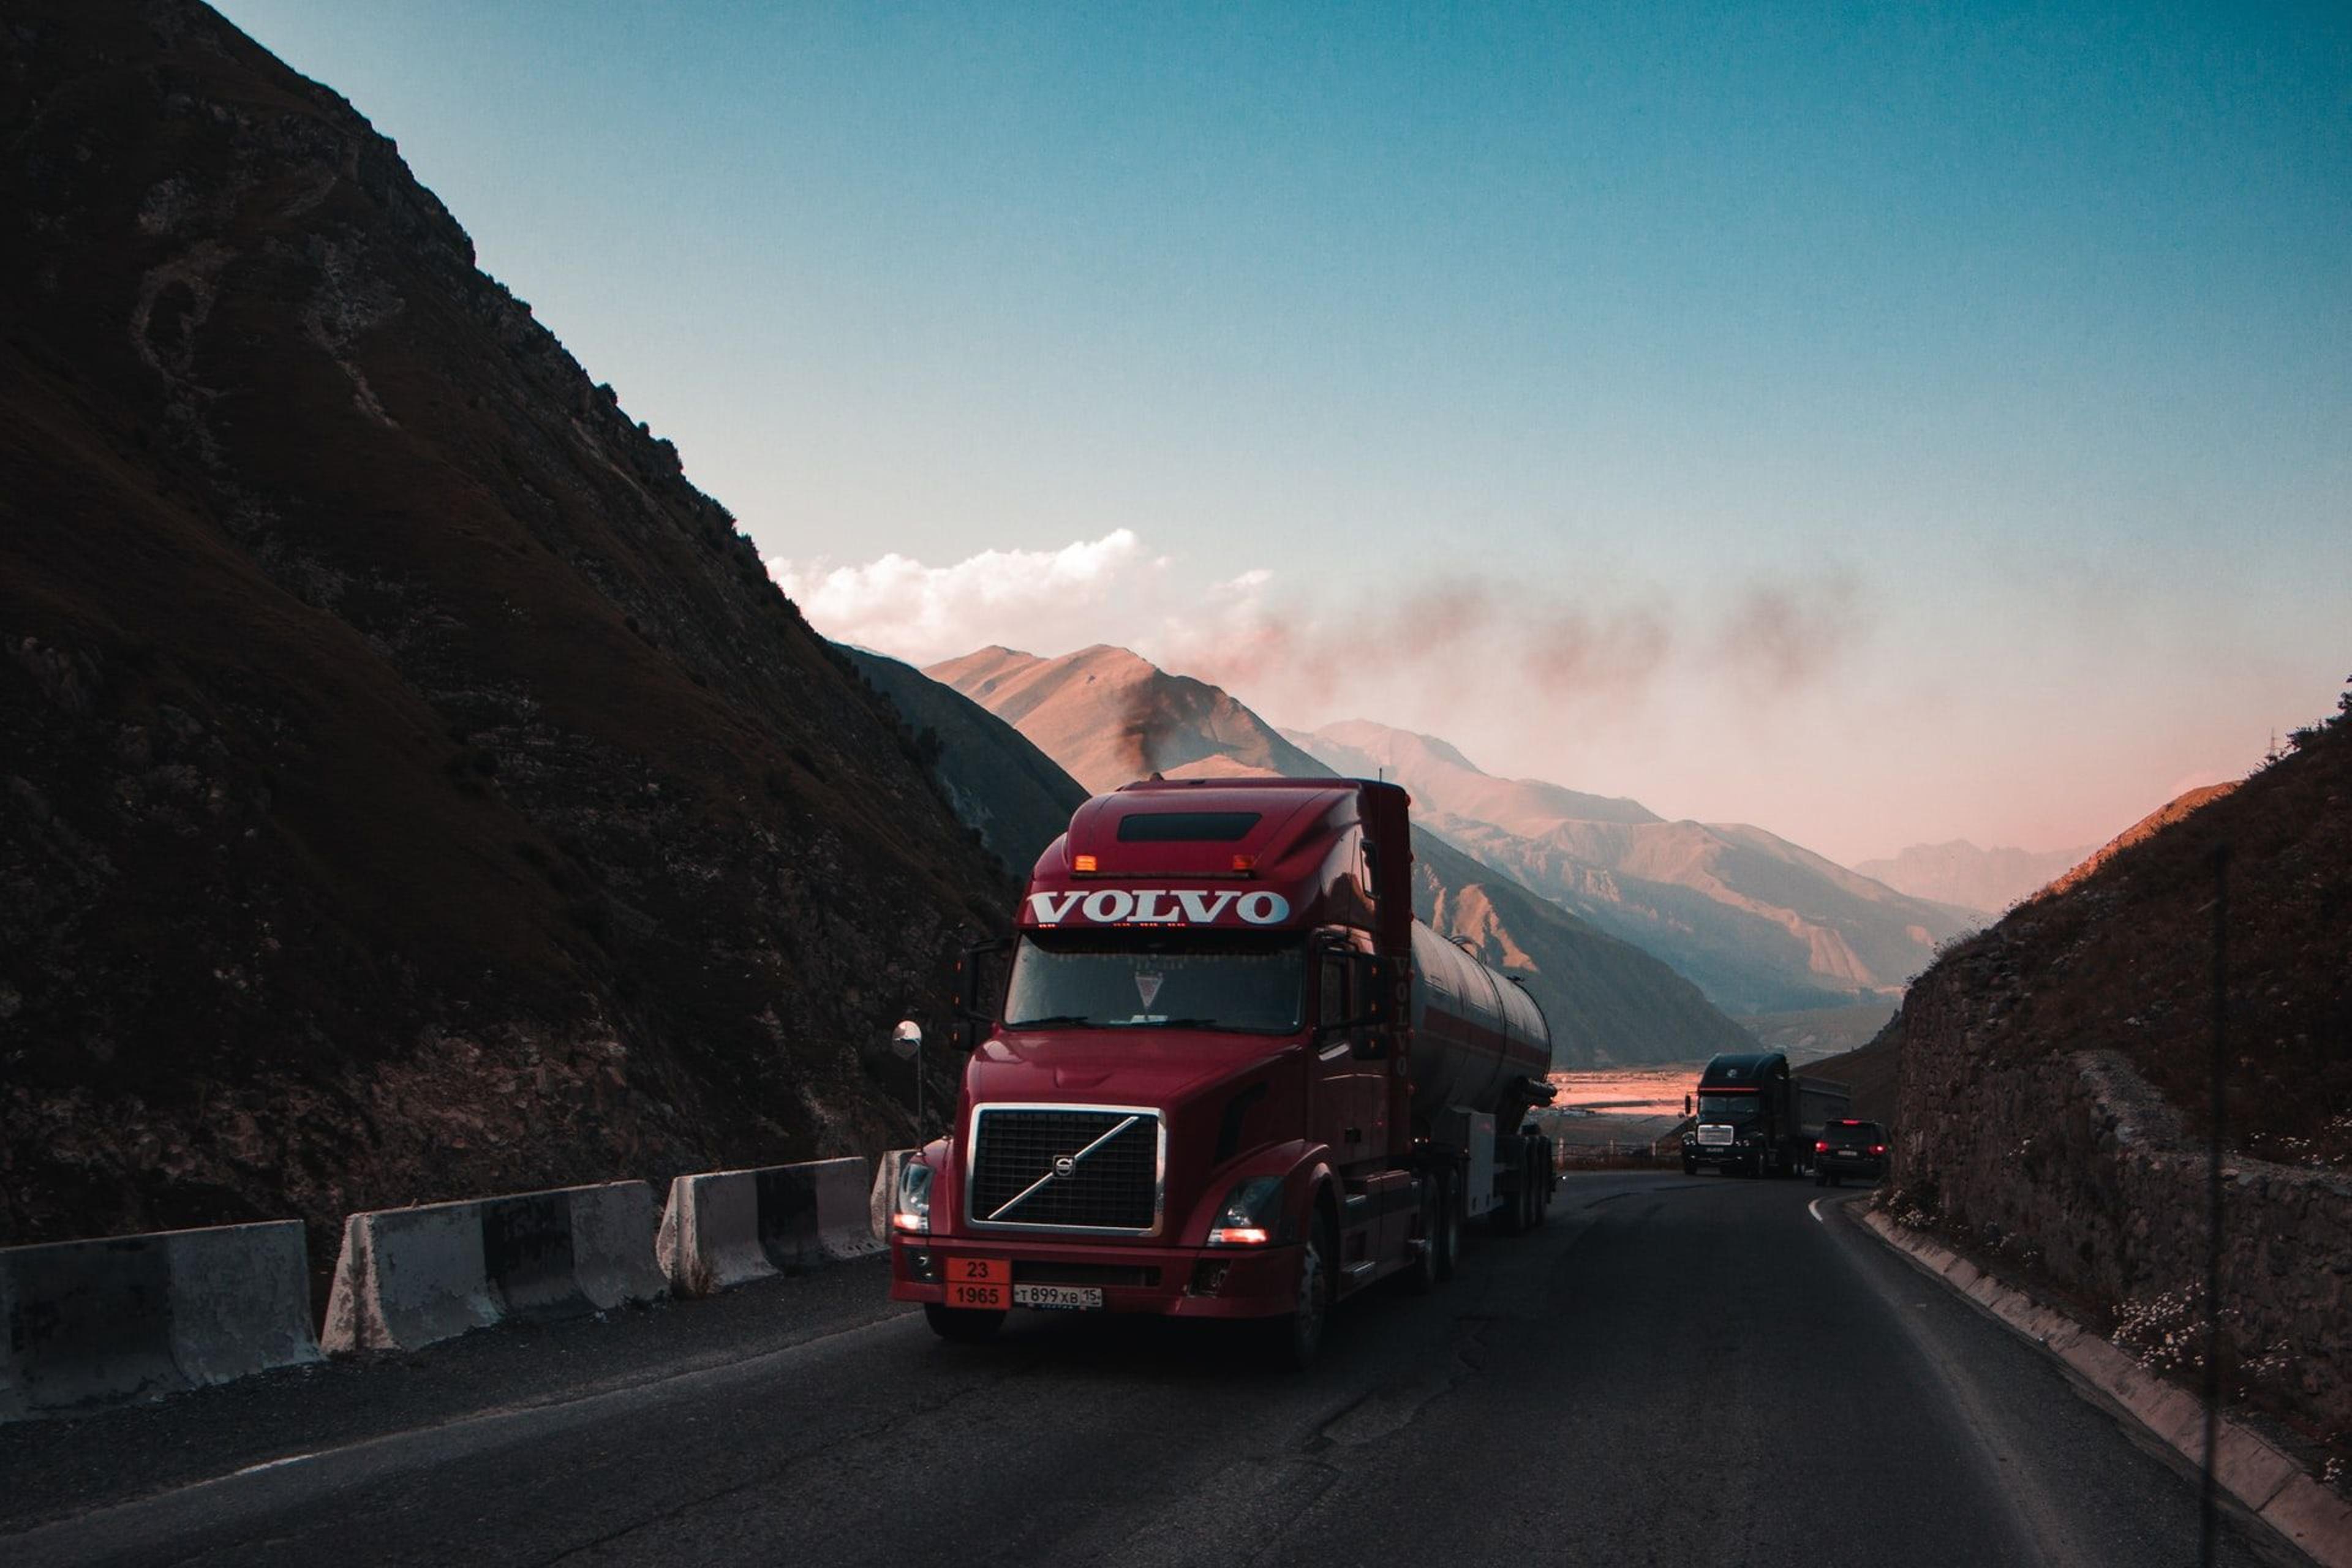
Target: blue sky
{"points": [[1916, 421]]}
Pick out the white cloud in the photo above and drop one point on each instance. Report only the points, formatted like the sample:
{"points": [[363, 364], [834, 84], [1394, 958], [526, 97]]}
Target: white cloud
{"points": [[1048, 600]]}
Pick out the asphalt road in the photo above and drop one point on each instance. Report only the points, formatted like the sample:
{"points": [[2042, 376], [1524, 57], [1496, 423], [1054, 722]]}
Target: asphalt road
{"points": [[1672, 1370]]}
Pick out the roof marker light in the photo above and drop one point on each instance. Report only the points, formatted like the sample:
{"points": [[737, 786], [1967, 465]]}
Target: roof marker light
{"points": [[1082, 863], [1245, 862]]}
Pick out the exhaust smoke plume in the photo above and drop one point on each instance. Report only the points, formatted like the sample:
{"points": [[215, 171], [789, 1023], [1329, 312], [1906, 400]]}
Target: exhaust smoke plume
{"points": [[1444, 650]]}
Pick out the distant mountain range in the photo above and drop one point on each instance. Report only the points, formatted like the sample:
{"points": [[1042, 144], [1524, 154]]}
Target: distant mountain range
{"points": [[1756, 923], [1958, 873], [1110, 717], [1442, 777], [1762, 925]]}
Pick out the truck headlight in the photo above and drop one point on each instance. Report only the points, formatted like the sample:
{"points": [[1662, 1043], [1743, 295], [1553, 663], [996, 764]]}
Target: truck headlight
{"points": [[1248, 1218], [912, 1211]]}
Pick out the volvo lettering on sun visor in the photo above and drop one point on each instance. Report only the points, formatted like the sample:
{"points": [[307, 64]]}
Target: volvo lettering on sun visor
{"points": [[1160, 907]]}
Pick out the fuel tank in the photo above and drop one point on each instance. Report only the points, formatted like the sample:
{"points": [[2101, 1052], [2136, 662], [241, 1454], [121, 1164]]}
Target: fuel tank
{"points": [[1475, 1034]]}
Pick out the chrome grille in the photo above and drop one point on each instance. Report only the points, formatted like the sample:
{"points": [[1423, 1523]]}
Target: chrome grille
{"points": [[1713, 1137], [1113, 1183]]}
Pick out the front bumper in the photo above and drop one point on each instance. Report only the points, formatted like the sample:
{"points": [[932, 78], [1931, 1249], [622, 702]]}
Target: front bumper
{"points": [[1170, 1281]]}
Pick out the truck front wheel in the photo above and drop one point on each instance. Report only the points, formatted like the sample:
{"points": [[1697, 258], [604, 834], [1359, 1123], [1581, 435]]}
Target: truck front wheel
{"points": [[961, 1325], [1298, 1337]]}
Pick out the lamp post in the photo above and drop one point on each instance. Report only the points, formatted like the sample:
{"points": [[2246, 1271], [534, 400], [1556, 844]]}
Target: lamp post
{"points": [[907, 1044]]}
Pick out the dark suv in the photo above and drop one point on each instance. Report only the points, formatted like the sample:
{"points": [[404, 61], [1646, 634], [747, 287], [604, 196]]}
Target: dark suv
{"points": [[1848, 1149]]}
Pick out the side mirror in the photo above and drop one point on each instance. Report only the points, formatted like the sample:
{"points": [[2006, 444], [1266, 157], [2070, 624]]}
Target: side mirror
{"points": [[977, 984], [907, 1040]]}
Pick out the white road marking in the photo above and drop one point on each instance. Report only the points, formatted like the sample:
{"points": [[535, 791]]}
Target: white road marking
{"points": [[271, 1464], [1814, 1209]]}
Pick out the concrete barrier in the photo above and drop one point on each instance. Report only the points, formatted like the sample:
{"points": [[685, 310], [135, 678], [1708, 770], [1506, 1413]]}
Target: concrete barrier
{"points": [[132, 1317], [724, 1228], [411, 1276], [885, 1195]]}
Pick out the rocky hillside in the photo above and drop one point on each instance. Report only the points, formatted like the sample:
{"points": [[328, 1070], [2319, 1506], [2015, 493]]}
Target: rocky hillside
{"points": [[2162, 817], [1103, 711], [1001, 785], [414, 788], [1759, 924], [2053, 1082], [1110, 717], [1986, 881]]}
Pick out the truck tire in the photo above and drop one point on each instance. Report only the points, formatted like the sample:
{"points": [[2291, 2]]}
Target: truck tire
{"points": [[1510, 1217], [1423, 1276], [1297, 1338], [961, 1325], [1449, 1216]]}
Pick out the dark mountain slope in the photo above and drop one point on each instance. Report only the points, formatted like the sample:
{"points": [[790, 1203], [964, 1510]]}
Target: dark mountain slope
{"points": [[413, 786], [2156, 821], [1002, 787]]}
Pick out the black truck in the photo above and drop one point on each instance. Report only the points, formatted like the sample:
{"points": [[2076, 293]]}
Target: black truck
{"points": [[1755, 1117]]}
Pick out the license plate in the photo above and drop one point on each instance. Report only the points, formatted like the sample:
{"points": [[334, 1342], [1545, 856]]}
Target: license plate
{"points": [[981, 1282], [1069, 1298]]}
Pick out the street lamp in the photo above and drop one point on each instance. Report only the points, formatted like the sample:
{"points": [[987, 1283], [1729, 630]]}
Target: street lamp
{"points": [[907, 1044]]}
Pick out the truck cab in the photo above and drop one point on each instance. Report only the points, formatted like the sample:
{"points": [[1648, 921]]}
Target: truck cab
{"points": [[1754, 1117], [1212, 1084]]}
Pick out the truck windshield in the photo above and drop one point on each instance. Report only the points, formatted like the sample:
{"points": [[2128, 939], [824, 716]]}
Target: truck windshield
{"points": [[1128, 980], [1726, 1107]]}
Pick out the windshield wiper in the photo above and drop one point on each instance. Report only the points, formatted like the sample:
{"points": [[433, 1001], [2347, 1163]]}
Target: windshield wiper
{"points": [[1058, 1021]]}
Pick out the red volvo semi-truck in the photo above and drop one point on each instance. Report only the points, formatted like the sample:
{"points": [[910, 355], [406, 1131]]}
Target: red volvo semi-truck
{"points": [[1230, 1076]]}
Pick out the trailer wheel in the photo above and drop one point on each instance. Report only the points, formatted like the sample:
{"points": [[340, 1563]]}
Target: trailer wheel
{"points": [[1423, 1276], [1510, 1219], [1449, 1219], [961, 1325]]}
